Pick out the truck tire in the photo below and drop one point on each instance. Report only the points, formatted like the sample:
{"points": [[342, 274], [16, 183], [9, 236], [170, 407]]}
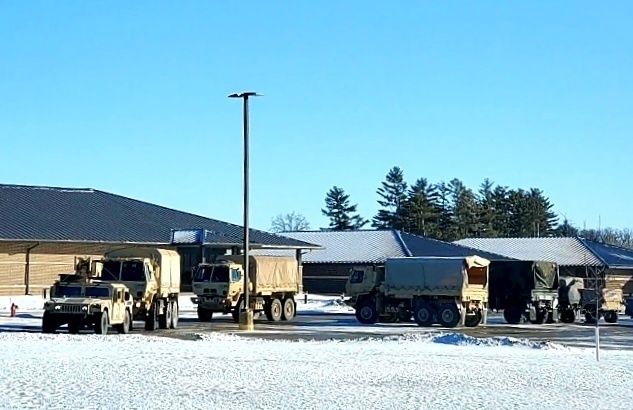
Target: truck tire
{"points": [[567, 316], [388, 318], [590, 317], [204, 315], [540, 317], [474, 319], [49, 324], [102, 323], [151, 320], [289, 309], [611, 317], [448, 315], [512, 315], [124, 328], [164, 320], [274, 310], [423, 314], [366, 313], [404, 316], [174, 314]]}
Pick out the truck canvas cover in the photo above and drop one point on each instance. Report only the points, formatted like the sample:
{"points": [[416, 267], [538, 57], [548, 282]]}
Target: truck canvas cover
{"points": [[270, 273], [521, 277], [413, 274]]}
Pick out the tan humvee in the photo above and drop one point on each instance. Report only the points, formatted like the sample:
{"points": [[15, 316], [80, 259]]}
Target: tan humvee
{"points": [[88, 303]]}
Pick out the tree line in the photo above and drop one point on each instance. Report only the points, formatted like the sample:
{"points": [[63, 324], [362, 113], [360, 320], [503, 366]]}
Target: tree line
{"points": [[451, 211]]}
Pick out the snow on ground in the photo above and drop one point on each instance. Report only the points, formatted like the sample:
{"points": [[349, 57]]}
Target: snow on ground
{"points": [[445, 371]]}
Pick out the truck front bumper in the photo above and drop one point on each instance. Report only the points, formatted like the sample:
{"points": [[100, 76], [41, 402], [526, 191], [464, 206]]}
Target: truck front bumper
{"points": [[213, 303]]}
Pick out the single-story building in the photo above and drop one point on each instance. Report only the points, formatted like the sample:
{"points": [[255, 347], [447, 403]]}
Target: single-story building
{"points": [[575, 256], [42, 229], [325, 270]]}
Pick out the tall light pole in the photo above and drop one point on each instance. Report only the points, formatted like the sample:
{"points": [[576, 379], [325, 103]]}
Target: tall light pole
{"points": [[246, 314]]}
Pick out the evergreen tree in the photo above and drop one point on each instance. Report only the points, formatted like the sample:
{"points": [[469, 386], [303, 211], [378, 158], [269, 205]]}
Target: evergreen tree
{"points": [[465, 210], [421, 215], [445, 212], [487, 211], [339, 210], [393, 192]]}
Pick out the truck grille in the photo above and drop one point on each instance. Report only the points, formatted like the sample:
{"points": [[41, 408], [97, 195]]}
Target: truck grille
{"points": [[71, 309]]}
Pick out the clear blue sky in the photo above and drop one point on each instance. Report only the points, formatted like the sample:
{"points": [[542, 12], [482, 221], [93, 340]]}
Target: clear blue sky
{"points": [[130, 98]]}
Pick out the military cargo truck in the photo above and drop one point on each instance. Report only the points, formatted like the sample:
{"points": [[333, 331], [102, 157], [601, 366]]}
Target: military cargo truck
{"points": [[153, 277], [525, 290], [273, 283], [450, 291], [81, 302], [576, 299]]}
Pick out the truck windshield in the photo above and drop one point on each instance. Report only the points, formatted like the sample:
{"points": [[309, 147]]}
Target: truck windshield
{"points": [[127, 271], [67, 291], [215, 274], [97, 292]]}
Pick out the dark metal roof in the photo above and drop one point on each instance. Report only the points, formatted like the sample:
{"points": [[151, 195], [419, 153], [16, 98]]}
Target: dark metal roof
{"points": [[374, 246], [50, 214], [614, 257]]}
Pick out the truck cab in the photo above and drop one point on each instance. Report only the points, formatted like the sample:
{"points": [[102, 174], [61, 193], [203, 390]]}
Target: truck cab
{"points": [[363, 280], [217, 287], [135, 273]]}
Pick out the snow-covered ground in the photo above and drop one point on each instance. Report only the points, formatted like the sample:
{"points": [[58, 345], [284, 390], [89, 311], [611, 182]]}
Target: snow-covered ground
{"points": [[225, 372]]}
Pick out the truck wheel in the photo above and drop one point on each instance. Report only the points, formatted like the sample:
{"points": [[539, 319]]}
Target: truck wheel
{"points": [[204, 315], [124, 328], [174, 314], [423, 314], [567, 316], [388, 318], [590, 317], [449, 315], [366, 313], [289, 309], [611, 317], [512, 315], [48, 323], [474, 319], [404, 316], [164, 320], [540, 317], [151, 319], [102, 323], [274, 310]]}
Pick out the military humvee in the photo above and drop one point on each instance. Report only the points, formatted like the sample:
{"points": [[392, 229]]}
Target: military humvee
{"points": [[85, 303]]}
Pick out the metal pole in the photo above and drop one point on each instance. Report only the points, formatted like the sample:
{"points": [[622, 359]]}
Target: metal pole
{"points": [[246, 187]]}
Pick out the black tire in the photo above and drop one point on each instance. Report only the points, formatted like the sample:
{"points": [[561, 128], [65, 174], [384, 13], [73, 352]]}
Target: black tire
{"points": [[540, 317], [102, 323], [274, 310], [388, 318], [449, 315], [404, 316], [568, 316], [474, 319], [49, 324], [151, 321], [512, 315], [174, 314], [611, 317], [423, 314], [164, 320], [590, 317], [366, 313], [204, 315], [124, 328], [289, 309]]}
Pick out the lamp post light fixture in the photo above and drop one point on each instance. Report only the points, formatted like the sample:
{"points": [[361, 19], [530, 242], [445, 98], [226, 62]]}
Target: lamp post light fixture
{"points": [[246, 314]]}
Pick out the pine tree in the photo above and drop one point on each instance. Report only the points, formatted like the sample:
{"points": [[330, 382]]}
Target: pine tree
{"points": [[465, 209], [394, 195], [445, 212], [339, 210], [486, 209], [421, 215]]}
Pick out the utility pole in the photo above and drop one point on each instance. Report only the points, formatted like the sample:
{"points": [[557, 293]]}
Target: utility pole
{"points": [[246, 314]]}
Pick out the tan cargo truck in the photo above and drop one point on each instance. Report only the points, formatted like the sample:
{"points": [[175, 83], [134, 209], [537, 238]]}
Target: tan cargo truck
{"points": [[153, 277], [450, 291], [82, 302], [273, 284], [576, 299]]}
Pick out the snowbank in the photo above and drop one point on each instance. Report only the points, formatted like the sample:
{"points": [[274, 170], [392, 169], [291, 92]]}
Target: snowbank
{"points": [[84, 371], [320, 304]]}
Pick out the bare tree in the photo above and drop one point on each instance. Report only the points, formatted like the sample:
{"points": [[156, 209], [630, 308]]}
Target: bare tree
{"points": [[289, 222]]}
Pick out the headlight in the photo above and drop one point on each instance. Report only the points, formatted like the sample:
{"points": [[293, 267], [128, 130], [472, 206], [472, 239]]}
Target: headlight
{"points": [[58, 307], [84, 308]]}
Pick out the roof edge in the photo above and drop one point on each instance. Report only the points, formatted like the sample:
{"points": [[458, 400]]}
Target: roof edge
{"points": [[401, 242]]}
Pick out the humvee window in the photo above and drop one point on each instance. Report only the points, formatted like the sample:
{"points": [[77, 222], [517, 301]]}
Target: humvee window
{"points": [[97, 292], [357, 276], [67, 291]]}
